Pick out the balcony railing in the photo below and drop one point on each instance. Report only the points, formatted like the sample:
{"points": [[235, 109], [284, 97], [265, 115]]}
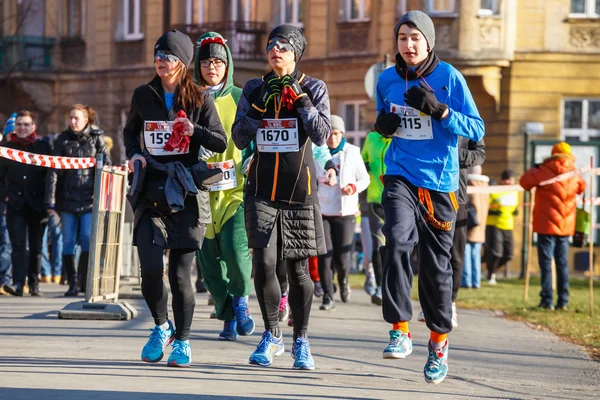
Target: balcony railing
{"points": [[244, 38], [27, 53]]}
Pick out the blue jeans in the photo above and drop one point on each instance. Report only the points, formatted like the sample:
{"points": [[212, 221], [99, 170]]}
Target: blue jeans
{"points": [[558, 247], [52, 261], [74, 227], [5, 252], [471, 276]]}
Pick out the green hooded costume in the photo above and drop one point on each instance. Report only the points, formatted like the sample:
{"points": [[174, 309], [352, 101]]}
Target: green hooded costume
{"points": [[226, 273]]}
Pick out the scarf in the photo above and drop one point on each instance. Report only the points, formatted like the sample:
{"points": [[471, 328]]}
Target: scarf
{"points": [[424, 69], [214, 89], [339, 148], [26, 142]]}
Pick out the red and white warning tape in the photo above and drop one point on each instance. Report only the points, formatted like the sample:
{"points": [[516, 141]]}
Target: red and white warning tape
{"points": [[42, 160]]}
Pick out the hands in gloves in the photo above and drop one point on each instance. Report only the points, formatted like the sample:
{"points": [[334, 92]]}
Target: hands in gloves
{"points": [[423, 99], [387, 123]]}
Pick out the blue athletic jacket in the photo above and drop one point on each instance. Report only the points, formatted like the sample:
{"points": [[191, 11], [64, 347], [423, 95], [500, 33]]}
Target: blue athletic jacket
{"points": [[433, 163]]}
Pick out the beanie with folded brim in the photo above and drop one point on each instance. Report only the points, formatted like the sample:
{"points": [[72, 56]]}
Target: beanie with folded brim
{"points": [[212, 50], [178, 44], [422, 22]]}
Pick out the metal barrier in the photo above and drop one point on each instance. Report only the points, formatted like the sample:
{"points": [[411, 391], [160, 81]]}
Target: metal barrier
{"points": [[106, 250]]}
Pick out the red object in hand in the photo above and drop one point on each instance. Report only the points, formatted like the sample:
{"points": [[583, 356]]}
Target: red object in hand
{"points": [[178, 140], [288, 98]]}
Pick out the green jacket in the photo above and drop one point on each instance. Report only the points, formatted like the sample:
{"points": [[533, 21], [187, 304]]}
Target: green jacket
{"points": [[373, 154], [224, 203]]}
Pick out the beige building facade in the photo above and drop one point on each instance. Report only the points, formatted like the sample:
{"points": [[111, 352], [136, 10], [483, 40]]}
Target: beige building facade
{"points": [[524, 60]]}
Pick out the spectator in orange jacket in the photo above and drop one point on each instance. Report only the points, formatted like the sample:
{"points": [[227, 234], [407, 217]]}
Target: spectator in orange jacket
{"points": [[554, 219]]}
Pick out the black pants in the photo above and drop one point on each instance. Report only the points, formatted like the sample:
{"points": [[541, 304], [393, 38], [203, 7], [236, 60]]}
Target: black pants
{"points": [[430, 223], [180, 278], [499, 246], [376, 220], [268, 286], [26, 226], [339, 237], [457, 252]]}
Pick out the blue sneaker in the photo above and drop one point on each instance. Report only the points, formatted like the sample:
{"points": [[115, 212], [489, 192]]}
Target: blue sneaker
{"points": [[436, 367], [159, 339], [229, 331], [400, 345], [245, 323], [301, 355], [181, 356], [268, 348]]}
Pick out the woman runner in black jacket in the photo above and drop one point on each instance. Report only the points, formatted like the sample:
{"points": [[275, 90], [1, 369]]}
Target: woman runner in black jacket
{"points": [[159, 225], [283, 113]]}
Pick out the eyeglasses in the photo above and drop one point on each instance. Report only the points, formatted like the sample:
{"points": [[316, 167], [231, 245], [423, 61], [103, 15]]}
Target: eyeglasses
{"points": [[282, 45], [217, 63], [165, 56]]}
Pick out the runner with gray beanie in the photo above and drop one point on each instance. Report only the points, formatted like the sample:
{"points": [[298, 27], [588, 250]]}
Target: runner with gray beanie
{"points": [[420, 184]]}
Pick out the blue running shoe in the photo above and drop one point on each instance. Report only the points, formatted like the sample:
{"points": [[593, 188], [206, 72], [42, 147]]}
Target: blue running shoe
{"points": [[181, 356], [245, 323], [229, 331], [400, 345], [159, 339], [436, 367], [268, 348], [301, 355]]}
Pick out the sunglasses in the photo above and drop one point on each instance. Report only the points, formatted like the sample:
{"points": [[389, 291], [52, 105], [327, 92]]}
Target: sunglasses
{"points": [[217, 63], [165, 56], [282, 45]]}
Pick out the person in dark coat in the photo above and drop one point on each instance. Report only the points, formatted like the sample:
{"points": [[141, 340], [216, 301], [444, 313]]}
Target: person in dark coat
{"points": [[158, 223], [22, 188], [283, 113], [70, 192]]}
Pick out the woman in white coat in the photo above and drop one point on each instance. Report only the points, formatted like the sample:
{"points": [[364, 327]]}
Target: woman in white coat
{"points": [[339, 205]]}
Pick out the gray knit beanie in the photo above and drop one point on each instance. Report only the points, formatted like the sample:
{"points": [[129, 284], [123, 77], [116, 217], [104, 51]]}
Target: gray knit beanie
{"points": [[422, 22], [338, 123]]}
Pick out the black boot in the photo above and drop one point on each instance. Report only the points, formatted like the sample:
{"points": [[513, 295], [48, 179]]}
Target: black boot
{"points": [[82, 271], [69, 267]]}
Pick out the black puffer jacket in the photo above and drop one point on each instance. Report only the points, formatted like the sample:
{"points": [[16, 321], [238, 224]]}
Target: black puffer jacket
{"points": [[72, 190], [22, 184]]}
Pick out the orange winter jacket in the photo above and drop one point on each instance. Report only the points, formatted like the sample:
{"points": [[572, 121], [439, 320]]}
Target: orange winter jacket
{"points": [[555, 204]]}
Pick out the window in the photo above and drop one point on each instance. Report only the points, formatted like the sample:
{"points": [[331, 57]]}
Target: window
{"points": [[194, 12], [581, 119], [75, 18], [489, 7], [585, 8], [354, 10], [291, 12], [131, 21], [357, 121], [440, 6], [240, 10]]}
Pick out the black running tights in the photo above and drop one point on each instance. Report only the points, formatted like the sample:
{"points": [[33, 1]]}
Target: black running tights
{"points": [[180, 279], [268, 289]]}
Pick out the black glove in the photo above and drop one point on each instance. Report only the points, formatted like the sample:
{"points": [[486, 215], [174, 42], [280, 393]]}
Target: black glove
{"points": [[269, 89], [423, 99], [387, 123], [295, 91]]}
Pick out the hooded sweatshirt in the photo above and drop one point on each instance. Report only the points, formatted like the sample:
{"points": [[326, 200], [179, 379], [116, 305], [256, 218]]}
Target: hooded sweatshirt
{"points": [[555, 204], [225, 202]]}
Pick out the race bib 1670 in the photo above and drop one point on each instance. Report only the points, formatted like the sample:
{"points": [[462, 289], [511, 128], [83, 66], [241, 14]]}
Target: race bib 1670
{"points": [[277, 135]]}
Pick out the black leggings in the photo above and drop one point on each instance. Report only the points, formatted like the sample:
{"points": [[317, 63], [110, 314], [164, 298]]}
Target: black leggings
{"points": [[376, 220], [339, 237], [268, 286], [180, 278]]}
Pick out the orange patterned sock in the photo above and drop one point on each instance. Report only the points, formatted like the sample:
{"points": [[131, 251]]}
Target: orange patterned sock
{"points": [[401, 326]]}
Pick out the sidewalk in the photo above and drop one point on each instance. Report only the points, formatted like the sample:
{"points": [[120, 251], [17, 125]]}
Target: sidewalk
{"points": [[42, 357]]}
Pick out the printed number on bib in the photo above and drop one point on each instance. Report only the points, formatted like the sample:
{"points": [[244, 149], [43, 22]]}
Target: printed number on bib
{"points": [[414, 125], [277, 135], [229, 180], [156, 134]]}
